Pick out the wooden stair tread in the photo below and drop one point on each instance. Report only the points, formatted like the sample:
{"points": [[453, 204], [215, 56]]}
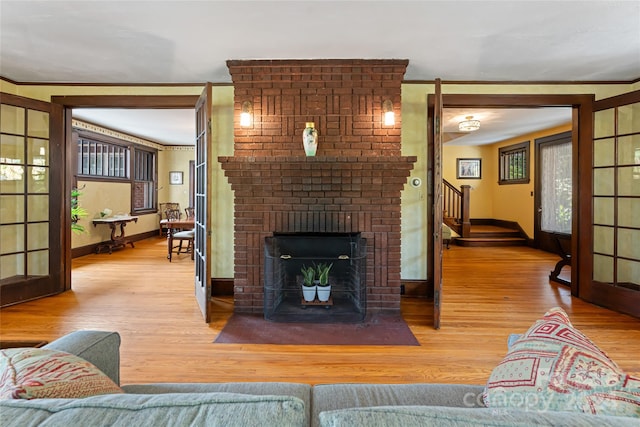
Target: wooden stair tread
{"points": [[494, 236], [490, 238], [489, 241], [492, 229]]}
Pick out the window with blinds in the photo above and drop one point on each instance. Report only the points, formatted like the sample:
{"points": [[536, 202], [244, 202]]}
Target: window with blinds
{"points": [[513, 164], [144, 184], [102, 159], [121, 161]]}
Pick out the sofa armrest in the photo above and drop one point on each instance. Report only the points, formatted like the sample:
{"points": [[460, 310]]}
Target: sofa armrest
{"points": [[101, 348]]}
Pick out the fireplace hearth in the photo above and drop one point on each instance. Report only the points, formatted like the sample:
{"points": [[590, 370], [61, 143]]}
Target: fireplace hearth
{"points": [[286, 254]]}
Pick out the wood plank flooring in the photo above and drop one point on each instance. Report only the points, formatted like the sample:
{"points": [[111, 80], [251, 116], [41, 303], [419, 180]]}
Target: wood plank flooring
{"points": [[488, 294]]}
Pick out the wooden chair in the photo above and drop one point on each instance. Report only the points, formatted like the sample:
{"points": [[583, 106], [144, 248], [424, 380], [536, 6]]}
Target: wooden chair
{"points": [[162, 209], [181, 236], [190, 213], [173, 214]]}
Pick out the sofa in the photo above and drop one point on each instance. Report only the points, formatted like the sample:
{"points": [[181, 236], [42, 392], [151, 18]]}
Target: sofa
{"points": [[267, 404]]}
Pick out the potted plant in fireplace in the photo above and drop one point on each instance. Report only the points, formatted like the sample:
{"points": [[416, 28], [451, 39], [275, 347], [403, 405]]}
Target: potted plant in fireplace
{"points": [[308, 283], [324, 287]]}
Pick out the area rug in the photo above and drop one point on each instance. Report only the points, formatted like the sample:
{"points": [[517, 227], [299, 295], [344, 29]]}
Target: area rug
{"points": [[377, 329]]}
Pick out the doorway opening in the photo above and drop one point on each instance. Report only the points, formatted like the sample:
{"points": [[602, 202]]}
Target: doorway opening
{"points": [[581, 131], [132, 162], [493, 201], [113, 103]]}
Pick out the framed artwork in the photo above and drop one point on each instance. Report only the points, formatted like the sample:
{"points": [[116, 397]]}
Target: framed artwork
{"points": [[468, 169], [175, 178]]}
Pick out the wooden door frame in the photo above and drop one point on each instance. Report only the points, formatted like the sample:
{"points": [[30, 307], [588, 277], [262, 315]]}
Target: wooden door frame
{"points": [[62, 122], [436, 155], [582, 140]]}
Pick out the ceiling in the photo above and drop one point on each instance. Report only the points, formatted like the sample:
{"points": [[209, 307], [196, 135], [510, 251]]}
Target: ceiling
{"points": [[108, 41], [500, 124], [177, 42], [165, 127]]}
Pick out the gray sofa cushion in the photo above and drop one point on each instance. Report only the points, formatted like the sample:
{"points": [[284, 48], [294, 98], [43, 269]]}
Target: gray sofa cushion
{"points": [[328, 397], [301, 391], [171, 409], [420, 416], [101, 348]]}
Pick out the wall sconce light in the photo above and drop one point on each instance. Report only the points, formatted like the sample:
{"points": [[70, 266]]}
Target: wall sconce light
{"points": [[245, 115], [387, 110]]}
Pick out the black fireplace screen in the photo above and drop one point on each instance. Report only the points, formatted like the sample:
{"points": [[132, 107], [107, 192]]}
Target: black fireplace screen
{"points": [[287, 254]]}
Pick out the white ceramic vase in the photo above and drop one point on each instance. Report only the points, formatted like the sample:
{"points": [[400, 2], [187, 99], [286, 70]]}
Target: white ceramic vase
{"points": [[310, 139]]}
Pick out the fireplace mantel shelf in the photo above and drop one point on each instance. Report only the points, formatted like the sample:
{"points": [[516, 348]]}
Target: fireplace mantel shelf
{"points": [[318, 159]]}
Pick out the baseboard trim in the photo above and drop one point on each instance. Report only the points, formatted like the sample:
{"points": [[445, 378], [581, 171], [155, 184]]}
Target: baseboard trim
{"points": [[416, 289], [91, 249], [221, 287]]}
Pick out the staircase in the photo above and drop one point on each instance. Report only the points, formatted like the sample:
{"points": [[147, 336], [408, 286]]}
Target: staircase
{"points": [[476, 232], [491, 233]]}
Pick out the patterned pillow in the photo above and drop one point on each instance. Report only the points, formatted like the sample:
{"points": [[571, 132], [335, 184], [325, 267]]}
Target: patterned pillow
{"points": [[29, 373], [553, 366]]}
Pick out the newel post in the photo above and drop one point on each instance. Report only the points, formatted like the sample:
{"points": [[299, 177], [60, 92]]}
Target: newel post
{"points": [[466, 198]]}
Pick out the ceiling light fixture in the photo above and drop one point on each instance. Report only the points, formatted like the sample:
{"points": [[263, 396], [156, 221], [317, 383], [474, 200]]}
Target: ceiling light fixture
{"points": [[469, 125], [387, 110], [245, 115]]}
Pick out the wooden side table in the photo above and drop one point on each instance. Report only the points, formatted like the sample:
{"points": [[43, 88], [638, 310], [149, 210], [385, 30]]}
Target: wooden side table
{"points": [[117, 241]]}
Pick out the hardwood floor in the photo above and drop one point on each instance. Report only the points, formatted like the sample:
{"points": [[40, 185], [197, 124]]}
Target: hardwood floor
{"points": [[150, 302]]}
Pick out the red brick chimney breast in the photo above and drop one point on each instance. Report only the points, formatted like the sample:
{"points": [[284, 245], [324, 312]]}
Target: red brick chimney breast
{"points": [[352, 185]]}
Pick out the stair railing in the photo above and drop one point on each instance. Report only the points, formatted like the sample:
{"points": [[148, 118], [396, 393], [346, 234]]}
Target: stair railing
{"points": [[455, 205]]}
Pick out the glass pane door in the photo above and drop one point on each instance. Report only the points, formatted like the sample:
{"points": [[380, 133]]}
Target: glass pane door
{"points": [[616, 206], [24, 201]]}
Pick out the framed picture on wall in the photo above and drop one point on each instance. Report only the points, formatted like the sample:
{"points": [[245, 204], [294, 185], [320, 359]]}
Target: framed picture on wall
{"points": [[175, 178], [468, 169]]}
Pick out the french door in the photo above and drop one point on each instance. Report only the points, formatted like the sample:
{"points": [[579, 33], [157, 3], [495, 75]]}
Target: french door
{"points": [[202, 244], [616, 204], [32, 192]]}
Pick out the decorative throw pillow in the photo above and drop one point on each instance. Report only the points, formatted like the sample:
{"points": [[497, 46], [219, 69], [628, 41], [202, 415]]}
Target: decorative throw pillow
{"points": [[553, 366], [29, 373]]}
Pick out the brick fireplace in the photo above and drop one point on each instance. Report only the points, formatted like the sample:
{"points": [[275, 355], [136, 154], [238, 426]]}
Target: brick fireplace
{"points": [[353, 185]]}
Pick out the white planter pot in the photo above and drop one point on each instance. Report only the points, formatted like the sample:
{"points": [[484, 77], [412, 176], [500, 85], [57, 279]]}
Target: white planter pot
{"points": [[324, 292], [309, 293]]}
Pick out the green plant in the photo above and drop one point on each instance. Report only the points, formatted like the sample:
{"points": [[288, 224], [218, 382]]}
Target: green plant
{"points": [[323, 273], [308, 275], [77, 212]]}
